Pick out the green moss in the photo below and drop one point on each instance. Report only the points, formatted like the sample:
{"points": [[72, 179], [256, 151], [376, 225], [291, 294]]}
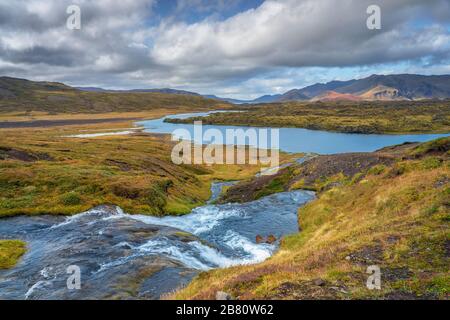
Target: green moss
{"points": [[70, 199], [377, 170], [431, 163], [440, 285], [439, 145], [10, 252], [274, 186]]}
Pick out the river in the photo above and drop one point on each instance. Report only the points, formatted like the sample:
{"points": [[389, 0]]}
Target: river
{"points": [[141, 257], [125, 256]]}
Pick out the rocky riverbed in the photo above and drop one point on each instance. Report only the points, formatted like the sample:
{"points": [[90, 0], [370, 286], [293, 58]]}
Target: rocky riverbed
{"points": [[141, 257]]}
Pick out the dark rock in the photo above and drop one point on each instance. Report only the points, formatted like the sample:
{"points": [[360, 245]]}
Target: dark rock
{"points": [[441, 182], [395, 274], [22, 155], [319, 282], [367, 256], [271, 239], [393, 239], [259, 239], [223, 296]]}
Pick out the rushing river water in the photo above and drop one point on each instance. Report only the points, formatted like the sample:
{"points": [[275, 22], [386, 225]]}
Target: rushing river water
{"points": [[136, 256], [141, 257], [301, 140]]}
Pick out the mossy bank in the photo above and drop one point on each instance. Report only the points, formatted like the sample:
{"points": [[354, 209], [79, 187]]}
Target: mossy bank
{"points": [[10, 252], [395, 216]]}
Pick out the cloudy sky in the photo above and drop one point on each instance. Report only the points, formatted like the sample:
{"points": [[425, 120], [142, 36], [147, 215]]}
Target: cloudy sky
{"points": [[233, 48]]}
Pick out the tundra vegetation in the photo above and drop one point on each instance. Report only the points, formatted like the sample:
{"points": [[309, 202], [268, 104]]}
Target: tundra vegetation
{"points": [[393, 213], [389, 208], [10, 252], [42, 171], [428, 116]]}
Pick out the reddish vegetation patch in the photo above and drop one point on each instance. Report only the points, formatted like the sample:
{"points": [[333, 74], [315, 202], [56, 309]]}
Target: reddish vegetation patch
{"points": [[336, 96]]}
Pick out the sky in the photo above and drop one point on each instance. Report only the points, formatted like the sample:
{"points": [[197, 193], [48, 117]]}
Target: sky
{"points": [[232, 48]]}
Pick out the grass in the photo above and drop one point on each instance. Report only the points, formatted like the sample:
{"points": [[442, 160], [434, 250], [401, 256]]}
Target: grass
{"points": [[19, 95], [435, 146], [65, 176], [398, 220], [10, 252], [274, 186], [363, 117]]}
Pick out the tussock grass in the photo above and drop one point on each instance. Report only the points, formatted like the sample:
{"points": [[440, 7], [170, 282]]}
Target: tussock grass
{"points": [[397, 220], [10, 252], [134, 172]]}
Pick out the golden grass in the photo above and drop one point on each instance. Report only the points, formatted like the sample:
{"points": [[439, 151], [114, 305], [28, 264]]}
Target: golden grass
{"points": [[10, 252], [403, 216], [134, 172]]}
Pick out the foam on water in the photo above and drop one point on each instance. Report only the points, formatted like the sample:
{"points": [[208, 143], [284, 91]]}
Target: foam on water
{"points": [[197, 255], [200, 221], [256, 252], [36, 286], [105, 241], [178, 253], [212, 223]]}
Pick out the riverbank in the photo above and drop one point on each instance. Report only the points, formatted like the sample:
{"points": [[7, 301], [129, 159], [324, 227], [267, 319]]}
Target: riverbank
{"points": [[395, 216], [124, 256], [399, 117], [43, 171]]}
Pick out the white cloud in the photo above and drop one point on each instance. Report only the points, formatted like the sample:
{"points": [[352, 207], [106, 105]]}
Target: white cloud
{"points": [[277, 46], [298, 33]]}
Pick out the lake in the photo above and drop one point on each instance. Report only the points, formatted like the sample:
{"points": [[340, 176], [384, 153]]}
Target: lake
{"points": [[297, 140]]}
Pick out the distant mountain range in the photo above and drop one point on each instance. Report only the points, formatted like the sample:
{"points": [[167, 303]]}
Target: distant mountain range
{"points": [[375, 87], [163, 90]]}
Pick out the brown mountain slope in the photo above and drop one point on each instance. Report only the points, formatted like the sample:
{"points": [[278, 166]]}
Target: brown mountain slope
{"points": [[336, 96], [381, 93]]}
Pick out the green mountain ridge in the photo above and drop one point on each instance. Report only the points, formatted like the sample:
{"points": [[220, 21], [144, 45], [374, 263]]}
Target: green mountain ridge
{"points": [[20, 95]]}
